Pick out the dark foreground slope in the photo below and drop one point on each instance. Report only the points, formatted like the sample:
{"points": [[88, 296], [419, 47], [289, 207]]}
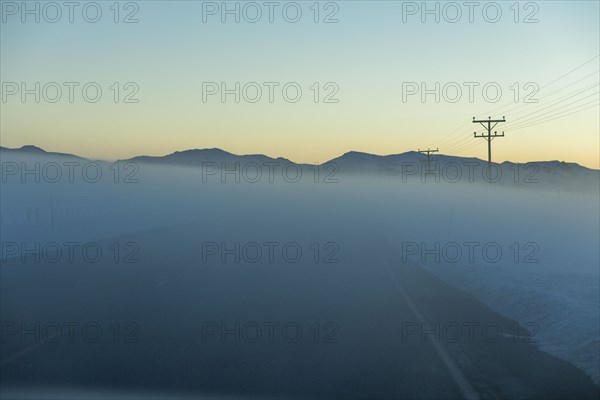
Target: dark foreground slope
{"points": [[180, 322]]}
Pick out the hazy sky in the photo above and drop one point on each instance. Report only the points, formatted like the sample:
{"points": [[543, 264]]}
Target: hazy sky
{"points": [[375, 54]]}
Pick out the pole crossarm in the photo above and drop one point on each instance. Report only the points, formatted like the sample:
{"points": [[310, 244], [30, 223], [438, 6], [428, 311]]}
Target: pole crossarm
{"points": [[428, 152], [487, 124]]}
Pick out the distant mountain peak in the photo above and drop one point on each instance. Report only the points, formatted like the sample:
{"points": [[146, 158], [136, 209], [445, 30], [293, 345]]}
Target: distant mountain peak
{"points": [[32, 148], [207, 150]]}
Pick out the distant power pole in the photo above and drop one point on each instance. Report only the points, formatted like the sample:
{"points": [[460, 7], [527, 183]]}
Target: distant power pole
{"points": [[428, 152], [489, 137]]}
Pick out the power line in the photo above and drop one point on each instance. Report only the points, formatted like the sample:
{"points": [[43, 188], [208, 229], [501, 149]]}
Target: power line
{"points": [[459, 146], [488, 126], [428, 152], [551, 111], [574, 69], [525, 125], [549, 94], [456, 131], [553, 81], [467, 145], [574, 110], [460, 143], [471, 146]]}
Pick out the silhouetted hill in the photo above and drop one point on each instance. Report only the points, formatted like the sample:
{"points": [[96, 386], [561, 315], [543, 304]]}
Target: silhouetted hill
{"points": [[196, 157], [410, 165], [36, 151]]}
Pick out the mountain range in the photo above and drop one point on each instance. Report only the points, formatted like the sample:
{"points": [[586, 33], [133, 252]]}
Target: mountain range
{"points": [[353, 162], [353, 159]]}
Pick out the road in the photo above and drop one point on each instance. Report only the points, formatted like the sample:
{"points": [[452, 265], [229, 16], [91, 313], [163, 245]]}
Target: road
{"points": [[182, 322]]}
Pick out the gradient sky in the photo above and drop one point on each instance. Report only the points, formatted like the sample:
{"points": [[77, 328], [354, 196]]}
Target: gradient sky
{"points": [[369, 53]]}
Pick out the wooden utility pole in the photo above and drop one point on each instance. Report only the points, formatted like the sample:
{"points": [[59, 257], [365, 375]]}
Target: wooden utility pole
{"points": [[487, 124], [428, 152]]}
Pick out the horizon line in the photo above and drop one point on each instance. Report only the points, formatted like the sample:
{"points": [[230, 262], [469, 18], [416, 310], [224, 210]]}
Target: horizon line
{"points": [[277, 157]]}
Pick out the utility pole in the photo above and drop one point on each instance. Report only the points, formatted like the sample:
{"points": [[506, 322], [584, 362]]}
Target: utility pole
{"points": [[487, 124], [428, 152]]}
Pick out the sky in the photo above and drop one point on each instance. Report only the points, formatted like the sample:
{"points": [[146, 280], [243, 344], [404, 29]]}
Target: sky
{"points": [[362, 69]]}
